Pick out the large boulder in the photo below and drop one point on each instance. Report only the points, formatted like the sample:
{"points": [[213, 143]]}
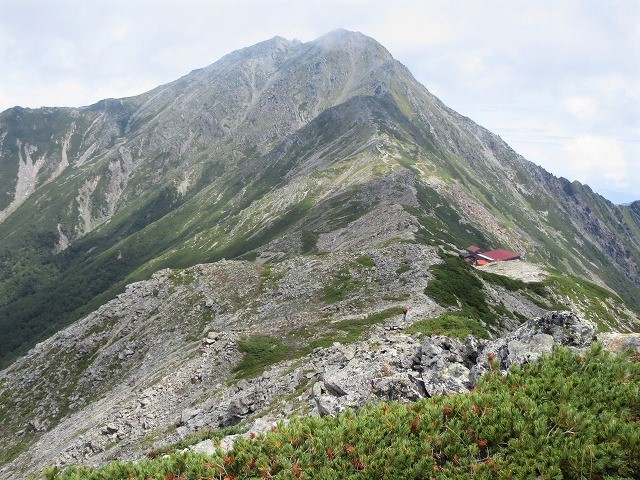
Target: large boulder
{"points": [[397, 388], [535, 338], [445, 362]]}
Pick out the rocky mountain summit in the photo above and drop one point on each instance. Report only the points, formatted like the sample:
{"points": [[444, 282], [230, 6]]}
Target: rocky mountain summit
{"points": [[235, 247], [280, 149]]}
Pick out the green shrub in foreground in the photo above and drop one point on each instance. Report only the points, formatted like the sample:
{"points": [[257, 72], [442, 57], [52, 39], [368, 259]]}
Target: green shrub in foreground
{"points": [[564, 417]]}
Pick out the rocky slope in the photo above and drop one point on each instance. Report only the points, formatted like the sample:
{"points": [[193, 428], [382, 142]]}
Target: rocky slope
{"points": [[233, 341], [237, 245], [275, 150]]}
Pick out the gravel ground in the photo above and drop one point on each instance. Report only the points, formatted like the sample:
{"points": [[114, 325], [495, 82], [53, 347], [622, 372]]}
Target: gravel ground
{"points": [[518, 270]]}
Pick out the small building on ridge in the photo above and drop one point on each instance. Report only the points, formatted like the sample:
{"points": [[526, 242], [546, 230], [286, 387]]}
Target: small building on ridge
{"points": [[475, 256]]}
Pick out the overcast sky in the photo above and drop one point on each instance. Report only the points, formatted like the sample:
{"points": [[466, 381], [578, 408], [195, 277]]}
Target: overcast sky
{"points": [[558, 80]]}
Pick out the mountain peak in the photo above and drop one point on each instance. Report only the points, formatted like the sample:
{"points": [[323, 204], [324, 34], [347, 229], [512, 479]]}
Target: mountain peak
{"points": [[340, 34], [342, 37], [259, 50], [313, 188]]}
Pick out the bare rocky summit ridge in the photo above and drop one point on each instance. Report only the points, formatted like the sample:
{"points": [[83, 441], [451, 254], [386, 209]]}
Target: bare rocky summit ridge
{"points": [[235, 246], [157, 363], [277, 149]]}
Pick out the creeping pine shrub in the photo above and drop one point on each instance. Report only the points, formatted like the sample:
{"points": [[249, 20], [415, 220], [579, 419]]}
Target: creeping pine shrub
{"points": [[455, 284], [259, 352], [565, 417]]}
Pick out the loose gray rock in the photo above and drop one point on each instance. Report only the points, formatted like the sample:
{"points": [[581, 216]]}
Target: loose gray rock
{"points": [[621, 342], [535, 338], [187, 414], [396, 388]]}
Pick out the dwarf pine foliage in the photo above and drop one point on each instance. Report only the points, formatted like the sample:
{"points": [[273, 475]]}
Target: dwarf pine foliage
{"points": [[567, 416]]}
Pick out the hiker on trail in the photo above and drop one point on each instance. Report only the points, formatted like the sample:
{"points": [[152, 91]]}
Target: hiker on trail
{"points": [[404, 313]]}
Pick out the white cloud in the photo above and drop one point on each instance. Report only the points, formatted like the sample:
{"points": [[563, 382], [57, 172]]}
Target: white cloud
{"points": [[592, 159], [582, 108], [121, 32]]}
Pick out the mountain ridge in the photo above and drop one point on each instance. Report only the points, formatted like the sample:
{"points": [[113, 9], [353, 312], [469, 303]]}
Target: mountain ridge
{"points": [[168, 247], [165, 358], [137, 162]]}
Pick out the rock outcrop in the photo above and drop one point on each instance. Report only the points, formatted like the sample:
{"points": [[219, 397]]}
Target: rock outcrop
{"points": [[402, 369], [393, 366], [535, 338]]}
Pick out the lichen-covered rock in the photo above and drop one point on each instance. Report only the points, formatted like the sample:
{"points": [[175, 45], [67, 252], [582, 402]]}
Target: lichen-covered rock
{"points": [[398, 388], [445, 363], [535, 338], [621, 342]]}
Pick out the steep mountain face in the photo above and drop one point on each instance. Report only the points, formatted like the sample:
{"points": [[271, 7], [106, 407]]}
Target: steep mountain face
{"points": [[309, 190], [275, 150], [279, 149]]}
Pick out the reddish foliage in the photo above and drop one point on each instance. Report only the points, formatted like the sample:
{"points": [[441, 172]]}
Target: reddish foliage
{"points": [[481, 443], [348, 448], [490, 462], [329, 453], [447, 410], [296, 470], [491, 356], [414, 424]]}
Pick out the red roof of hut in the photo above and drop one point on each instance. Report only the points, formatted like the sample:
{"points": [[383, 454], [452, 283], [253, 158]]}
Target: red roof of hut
{"points": [[501, 255]]}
